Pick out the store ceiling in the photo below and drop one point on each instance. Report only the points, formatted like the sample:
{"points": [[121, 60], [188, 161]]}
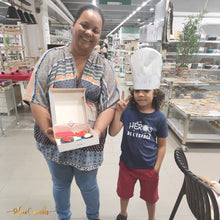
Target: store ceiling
{"points": [[115, 14], [196, 5], [3, 10]]}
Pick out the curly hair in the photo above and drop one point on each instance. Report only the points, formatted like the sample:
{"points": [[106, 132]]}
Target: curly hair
{"points": [[157, 102]]}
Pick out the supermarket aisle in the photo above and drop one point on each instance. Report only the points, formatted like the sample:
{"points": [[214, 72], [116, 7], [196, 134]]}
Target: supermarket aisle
{"points": [[25, 179]]}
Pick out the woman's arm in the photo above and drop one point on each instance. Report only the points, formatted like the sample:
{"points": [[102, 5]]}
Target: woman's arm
{"points": [[103, 120], [43, 119], [162, 142]]}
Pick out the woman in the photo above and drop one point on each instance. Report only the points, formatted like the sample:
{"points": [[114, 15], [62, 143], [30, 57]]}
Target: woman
{"points": [[75, 66]]}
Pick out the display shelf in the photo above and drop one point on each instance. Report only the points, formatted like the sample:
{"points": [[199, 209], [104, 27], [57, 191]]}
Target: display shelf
{"points": [[121, 74], [192, 121], [194, 54], [191, 83], [201, 41], [129, 83], [59, 39], [152, 44], [128, 78], [121, 63], [12, 49], [6, 98], [197, 126], [1, 126], [10, 97], [199, 108], [205, 134], [206, 50], [204, 70], [191, 104]]}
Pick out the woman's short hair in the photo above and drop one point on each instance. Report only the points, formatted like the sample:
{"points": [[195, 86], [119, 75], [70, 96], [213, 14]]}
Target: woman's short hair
{"points": [[89, 7]]}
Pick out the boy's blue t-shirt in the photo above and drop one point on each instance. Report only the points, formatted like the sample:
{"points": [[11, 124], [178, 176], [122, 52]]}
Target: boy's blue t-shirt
{"points": [[139, 142]]}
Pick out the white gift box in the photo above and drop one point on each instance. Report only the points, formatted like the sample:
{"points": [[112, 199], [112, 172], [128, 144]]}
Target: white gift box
{"points": [[68, 112]]}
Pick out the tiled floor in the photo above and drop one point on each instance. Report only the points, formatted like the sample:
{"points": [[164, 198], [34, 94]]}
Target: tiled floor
{"points": [[25, 179]]}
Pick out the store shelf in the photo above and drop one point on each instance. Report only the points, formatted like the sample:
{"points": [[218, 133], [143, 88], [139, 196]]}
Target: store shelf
{"points": [[12, 49], [192, 107], [59, 39], [129, 83], [188, 82], [192, 120], [200, 131], [121, 75], [10, 97], [192, 84], [201, 41], [204, 70], [194, 54], [207, 52]]}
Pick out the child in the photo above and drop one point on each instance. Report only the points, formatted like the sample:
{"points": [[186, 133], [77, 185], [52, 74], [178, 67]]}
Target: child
{"points": [[145, 131]]}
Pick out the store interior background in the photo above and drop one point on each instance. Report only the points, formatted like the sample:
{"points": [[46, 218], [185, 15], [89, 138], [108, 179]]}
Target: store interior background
{"points": [[24, 175], [55, 18]]}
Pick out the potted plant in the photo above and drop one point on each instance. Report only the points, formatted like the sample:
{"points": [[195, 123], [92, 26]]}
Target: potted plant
{"points": [[188, 41], [7, 40]]}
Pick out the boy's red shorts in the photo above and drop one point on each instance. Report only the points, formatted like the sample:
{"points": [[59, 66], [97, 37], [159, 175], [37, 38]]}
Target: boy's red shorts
{"points": [[148, 179]]}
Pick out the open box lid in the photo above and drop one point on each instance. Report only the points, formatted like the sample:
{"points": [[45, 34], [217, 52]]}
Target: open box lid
{"points": [[68, 105]]}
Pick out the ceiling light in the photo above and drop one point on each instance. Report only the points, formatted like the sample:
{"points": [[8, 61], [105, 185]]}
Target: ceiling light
{"points": [[5, 2], [138, 9], [12, 14], [143, 4], [22, 17], [33, 19], [94, 2], [114, 3], [133, 13], [151, 9], [28, 18]]}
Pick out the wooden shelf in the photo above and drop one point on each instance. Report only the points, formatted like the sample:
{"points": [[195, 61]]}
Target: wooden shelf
{"points": [[202, 41], [15, 49]]}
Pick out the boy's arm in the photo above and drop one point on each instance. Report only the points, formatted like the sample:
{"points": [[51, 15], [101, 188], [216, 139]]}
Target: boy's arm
{"points": [[116, 123], [162, 142]]}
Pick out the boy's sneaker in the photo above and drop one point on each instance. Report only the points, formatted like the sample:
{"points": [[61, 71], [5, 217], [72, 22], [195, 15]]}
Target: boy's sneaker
{"points": [[121, 217]]}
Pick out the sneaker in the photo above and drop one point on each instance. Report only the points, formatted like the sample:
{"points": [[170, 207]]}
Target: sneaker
{"points": [[121, 217]]}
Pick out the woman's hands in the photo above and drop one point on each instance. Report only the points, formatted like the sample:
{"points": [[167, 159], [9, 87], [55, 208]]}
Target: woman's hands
{"points": [[50, 134], [43, 119]]}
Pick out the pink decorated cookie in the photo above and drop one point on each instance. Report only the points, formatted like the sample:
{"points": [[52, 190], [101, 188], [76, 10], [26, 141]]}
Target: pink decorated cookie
{"points": [[61, 134]]}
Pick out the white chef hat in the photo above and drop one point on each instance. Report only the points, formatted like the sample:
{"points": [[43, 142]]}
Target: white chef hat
{"points": [[146, 67]]}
